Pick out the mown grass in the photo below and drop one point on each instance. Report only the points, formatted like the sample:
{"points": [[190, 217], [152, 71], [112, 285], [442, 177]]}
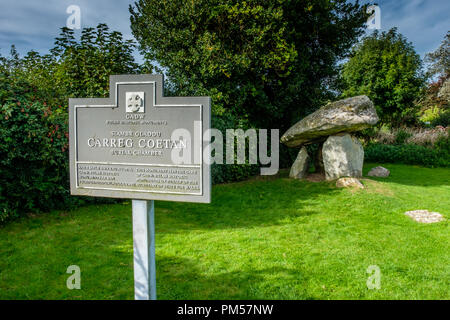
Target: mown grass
{"points": [[267, 238]]}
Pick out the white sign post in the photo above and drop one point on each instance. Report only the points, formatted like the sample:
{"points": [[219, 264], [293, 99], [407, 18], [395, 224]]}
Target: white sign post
{"points": [[124, 146], [144, 249]]}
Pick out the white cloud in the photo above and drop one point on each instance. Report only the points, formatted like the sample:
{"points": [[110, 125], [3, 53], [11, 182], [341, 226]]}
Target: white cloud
{"points": [[35, 24], [423, 22]]}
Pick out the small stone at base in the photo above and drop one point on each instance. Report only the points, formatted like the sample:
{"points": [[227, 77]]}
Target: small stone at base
{"points": [[378, 172], [349, 182]]}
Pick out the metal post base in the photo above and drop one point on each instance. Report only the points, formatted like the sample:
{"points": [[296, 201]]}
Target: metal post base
{"points": [[144, 250]]}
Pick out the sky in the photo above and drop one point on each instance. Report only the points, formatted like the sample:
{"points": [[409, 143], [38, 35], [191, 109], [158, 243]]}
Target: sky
{"points": [[33, 24]]}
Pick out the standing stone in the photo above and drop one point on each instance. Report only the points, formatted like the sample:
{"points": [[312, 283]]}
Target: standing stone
{"points": [[300, 166], [343, 156], [379, 172]]}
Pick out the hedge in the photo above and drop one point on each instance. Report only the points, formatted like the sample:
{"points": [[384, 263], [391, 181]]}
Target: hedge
{"points": [[437, 156], [222, 173]]}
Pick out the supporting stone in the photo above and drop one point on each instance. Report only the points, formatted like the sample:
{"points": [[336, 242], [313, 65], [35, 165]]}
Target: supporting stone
{"points": [[343, 156], [300, 166]]}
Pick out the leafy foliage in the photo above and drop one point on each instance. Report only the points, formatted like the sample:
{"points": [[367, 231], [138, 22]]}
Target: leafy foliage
{"points": [[439, 60], [75, 67], [33, 114], [268, 62], [33, 152], [443, 119], [386, 68], [222, 173], [83, 67], [438, 156], [401, 136], [435, 103]]}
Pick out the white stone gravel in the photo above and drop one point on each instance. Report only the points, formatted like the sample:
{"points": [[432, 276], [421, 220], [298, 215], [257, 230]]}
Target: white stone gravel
{"points": [[424, 216]]}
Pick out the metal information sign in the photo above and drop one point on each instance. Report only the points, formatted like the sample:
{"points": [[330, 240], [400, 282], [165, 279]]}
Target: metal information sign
{"points": [[139, 145], [128, 145]]}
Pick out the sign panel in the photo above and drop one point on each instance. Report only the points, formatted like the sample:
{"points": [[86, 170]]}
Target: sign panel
{"points": [[138, 144]]}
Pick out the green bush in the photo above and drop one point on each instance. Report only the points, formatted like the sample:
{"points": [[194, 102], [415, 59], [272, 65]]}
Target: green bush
{"points": [[33, 154], [443, 119], [401, 136], [222, 173], [385, 67], [34, 160], [442, 145], [439, 156]]}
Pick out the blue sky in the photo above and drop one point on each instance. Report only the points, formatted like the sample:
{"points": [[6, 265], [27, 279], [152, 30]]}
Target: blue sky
{"points": [[34, 24]]}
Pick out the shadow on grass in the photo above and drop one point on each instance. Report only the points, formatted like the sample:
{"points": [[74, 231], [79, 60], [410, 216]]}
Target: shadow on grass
{"points": [[411, 175], [181, 278], [245, 204]]}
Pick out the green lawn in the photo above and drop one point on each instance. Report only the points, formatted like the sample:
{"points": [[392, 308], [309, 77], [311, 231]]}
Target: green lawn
{"points": [[267, 238]]}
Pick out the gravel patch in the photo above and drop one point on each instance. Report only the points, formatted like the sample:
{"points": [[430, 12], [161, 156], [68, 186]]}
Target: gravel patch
{"points": [[424, 216]]}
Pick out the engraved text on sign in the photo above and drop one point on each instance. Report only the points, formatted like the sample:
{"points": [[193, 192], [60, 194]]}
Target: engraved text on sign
{"points": [[123, 146]]}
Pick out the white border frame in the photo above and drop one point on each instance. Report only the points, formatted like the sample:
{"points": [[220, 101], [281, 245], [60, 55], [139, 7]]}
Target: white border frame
{"points": [[116, 105]]}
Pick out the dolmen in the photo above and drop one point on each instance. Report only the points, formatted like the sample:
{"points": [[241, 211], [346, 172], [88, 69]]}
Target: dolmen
{"points": [[340, 154]]}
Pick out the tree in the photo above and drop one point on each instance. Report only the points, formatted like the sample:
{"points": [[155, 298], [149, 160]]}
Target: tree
{"points": [[385, 67], [267, 62], [83, 67], [436, 101], [74, 67], [34, 92], [439, 60]]}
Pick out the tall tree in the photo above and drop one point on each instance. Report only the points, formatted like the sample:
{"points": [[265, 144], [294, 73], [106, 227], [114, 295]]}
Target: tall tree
{"points": [[74, 67], [33, 121], [83, 66], [264, 61], [385, 67], [435, 104], [439, 60]]}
